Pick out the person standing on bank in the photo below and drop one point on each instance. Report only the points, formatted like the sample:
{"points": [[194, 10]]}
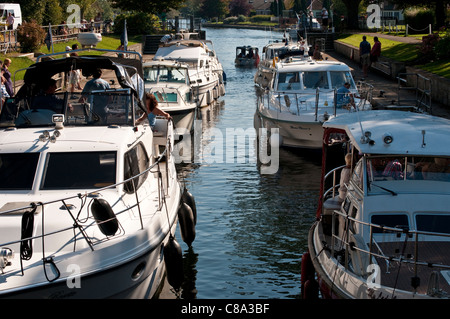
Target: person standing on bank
{"points": [[364, 55], [376, 51], [324, 19], [152, 111], [7, 75]]}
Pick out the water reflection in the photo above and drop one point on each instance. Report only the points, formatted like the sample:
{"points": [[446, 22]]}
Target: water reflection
{"points": [[251, 227]]}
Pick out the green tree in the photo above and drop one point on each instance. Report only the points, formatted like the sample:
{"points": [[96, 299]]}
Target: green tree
{"points": [[352, 13], [439, 7], [299, 5], [214, 8], [53, 13], [238, 7], [147, 6]]}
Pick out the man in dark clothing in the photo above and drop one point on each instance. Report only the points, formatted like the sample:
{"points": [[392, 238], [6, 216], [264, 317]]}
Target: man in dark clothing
{"points": [[364, 55]]}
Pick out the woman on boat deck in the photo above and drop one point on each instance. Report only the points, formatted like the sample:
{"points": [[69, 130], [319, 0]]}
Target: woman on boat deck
{"points": [[152, 110]]}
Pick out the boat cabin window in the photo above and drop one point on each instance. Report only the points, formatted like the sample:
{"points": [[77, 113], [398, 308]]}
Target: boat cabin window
{"points": [[17, 171], [339, 78], [383, 168], [289, 81], [166, 97], [154, 75], [79, 170], [136, 162], [94, 108], [400, 221], [314, 80], [357, 176], [429, 222]]}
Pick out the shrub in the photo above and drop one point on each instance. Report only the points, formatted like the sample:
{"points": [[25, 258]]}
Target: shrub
{"points": [[230, 20], [419, 20], [30, 36], [260, 18], [442, 48], [241, 18]]}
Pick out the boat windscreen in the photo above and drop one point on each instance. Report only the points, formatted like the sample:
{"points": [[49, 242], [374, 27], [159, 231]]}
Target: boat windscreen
{"points": [[17, 171], [79, 170]]}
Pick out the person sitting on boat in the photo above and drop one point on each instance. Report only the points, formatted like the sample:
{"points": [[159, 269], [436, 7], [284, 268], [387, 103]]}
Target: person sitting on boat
{"points": [[393, 169], [152, 111], [250, 54], [344, 97], [96, 84], [47, 99], [241, 54], [316, 54], [439, 169]]}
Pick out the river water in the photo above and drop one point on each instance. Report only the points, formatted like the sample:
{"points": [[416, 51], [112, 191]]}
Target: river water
{"points": [[251, 227]]}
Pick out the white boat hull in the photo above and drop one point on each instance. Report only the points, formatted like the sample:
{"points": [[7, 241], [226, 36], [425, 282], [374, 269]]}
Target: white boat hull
{"points": [[123, 281], [294, 131]]}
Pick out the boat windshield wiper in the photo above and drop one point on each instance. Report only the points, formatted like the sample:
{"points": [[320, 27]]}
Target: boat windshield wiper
{"points": [[385, 189]]}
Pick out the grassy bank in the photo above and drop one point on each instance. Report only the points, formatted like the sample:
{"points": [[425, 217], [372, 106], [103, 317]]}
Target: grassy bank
{"points": [[399, 51], [110, 42]]}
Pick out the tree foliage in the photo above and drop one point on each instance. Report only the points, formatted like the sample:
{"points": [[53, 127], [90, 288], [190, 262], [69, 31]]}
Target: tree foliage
{"points": [[439, 7], [238, 7], [148, 6], [214, 8]]}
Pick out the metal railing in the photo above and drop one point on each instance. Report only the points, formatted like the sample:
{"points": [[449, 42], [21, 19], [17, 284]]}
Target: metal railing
{"points": [[421, 88], [82, 223]]}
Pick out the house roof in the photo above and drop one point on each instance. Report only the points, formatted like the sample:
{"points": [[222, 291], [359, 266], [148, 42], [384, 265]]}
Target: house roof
{"points": [[261, 4]]}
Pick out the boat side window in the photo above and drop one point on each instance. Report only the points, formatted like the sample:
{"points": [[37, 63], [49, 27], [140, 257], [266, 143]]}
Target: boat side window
{"points": [[429, 222], [17, 171], [357, 176], [314, 80], [339, 78], [150, 75], [79, 170], [393, 220], [136, 162]]}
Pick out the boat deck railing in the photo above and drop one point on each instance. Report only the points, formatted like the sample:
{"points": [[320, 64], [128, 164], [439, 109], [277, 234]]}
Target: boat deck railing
{"points": [[81, 223], [297, 103], [342, 239]]}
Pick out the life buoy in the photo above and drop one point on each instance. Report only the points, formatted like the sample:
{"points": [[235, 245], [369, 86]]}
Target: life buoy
{"points": [[189, 199], [104, 216], [173, 259], [187, 225]]}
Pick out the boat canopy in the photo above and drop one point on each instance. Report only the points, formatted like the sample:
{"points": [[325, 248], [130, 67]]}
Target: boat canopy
{"points": [[383, 132], [128, 72]]}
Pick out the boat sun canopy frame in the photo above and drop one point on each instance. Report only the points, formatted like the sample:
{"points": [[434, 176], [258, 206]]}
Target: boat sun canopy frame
{"points": [[129, 75]]}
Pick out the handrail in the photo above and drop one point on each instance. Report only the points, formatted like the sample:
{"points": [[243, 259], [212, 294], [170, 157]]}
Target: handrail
{"points": [[413, 233], [86, 195]]}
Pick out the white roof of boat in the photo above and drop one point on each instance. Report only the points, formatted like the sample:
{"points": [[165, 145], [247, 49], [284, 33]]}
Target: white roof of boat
{"points": [[311, 65], [180, 52], [412, 133], [95, 138]]}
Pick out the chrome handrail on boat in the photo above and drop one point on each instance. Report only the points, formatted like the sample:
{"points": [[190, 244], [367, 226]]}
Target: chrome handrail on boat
{"points": [[344, 240], [94, 194]]}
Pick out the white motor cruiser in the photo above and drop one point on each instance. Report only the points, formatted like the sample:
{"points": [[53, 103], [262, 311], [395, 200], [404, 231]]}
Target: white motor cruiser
{"points": [[169, 82], [205, 71], [387, 235], [89, 202], [302, 96]]}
